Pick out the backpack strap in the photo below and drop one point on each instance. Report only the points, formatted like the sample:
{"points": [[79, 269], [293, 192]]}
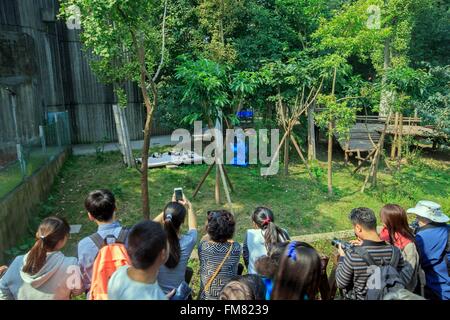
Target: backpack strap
{"points": [[395, 259], [364, 254], [97, 239], [123, 234]]}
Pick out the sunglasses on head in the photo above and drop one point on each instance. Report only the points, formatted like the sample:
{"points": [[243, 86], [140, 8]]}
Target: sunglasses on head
{"points": [[212, 214]]}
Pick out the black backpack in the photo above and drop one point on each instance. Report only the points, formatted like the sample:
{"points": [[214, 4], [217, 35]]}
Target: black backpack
{"points": [[384, 278]]}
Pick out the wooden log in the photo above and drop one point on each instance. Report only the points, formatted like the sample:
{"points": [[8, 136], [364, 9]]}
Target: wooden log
{"points": [[119, 131], [217, 185], [399, 140], [286, 156], [202, 180], [299, 151], [394, 142], [311, 134]]}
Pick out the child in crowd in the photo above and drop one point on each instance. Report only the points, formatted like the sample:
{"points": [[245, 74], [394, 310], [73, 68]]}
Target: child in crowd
{"points": [[298, 275], [101, 206], [397, 232], [258, 241], [149, 250], [219, 255], [44, 273], [247, 287], [267, 266], [172, 274]]}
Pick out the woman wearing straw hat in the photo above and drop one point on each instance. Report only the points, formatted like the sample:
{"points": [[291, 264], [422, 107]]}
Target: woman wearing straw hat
{"points": [[433, 243]]}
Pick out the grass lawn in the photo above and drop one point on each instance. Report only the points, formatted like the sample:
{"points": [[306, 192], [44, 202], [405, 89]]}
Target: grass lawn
{"points": [[299, 205]]}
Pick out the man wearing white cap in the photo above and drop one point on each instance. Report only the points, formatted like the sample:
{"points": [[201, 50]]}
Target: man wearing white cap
{"points": [[433, 243]]}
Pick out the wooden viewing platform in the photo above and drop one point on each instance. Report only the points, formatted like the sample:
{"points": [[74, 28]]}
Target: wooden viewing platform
{"points": [[363, 138]]}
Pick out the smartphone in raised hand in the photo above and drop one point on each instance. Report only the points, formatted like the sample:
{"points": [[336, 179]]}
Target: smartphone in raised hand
{"points": [[178, 194]]}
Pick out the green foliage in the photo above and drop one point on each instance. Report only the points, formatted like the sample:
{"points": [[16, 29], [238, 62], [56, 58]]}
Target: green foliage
{"points": [[121, 97], [339, 113], [112, 29], [434, 104], [210, 87]]}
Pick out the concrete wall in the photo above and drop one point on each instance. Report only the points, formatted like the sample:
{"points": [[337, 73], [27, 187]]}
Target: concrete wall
{"points": [[20, 204], [42, 61]]}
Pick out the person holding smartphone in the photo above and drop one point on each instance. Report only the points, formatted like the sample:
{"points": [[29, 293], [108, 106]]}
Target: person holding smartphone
{"points": [[172, 273]]}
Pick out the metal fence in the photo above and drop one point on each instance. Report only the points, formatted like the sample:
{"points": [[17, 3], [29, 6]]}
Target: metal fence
{"points": [[21, 158]]}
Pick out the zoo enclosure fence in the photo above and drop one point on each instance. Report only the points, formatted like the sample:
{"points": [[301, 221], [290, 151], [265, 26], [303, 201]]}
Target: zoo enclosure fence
{"points": [[21, 157]]}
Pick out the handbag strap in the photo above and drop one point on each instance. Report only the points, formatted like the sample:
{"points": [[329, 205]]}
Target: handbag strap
{"points": [[211, 279]]}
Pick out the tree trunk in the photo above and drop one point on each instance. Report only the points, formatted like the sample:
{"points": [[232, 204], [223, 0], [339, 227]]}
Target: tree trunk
{"points": [[147, 132], [384, 100], [144, 167], [330, 143], [330, 158], [311, 134]]}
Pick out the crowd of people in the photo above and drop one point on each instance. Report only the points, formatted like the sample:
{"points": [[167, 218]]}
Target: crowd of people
{"points": [[150, 260]]}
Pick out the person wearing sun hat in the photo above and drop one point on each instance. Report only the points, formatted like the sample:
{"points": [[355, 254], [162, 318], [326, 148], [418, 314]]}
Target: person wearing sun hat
{"points": [[433, 244]]}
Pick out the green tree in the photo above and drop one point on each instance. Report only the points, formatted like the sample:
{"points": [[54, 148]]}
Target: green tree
{"points": [[127, 42]]}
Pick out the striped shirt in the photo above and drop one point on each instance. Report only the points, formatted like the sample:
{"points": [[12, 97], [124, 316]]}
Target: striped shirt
{"points": [[211, 254], [352, 271]]}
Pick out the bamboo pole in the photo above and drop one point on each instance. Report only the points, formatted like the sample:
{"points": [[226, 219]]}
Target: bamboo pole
{"points": [[399, 139], [203, 180], [299, 151], [394, 142]]}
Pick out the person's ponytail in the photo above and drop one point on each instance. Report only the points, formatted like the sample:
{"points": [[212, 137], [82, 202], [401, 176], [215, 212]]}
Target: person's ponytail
{"points": [[174, 214], [264, 219], [273, 234], [36, 258], [50, 232], [174, 242]]}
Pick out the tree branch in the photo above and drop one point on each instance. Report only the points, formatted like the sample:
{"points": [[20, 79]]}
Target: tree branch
{"points": [[163, 46]]}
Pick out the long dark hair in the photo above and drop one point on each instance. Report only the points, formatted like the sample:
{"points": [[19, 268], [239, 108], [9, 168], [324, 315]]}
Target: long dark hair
{"points": [[50, 232], [396, 221], [174, 214], [263, 217], [298, 275]]}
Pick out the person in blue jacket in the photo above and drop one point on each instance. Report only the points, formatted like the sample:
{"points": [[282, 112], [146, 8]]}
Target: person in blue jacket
{"points": [[432, 241]]}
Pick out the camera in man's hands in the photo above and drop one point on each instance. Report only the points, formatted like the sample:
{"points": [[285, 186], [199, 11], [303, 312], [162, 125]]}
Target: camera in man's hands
{"points": [[344, 244], [414, 226]]}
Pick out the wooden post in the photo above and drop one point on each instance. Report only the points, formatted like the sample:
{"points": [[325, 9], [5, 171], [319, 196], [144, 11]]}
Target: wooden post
{"points": [[311, 134], [202, 180], [225, 187], [299, 151], [217, 185], [394, 142], [123, 135], [330, 158], [399, 138], [126, 138], [286, 155], [119, 130]]}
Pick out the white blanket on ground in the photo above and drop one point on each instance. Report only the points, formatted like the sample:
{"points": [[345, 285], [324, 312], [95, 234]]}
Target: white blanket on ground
{"points": [[172, 158]]}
